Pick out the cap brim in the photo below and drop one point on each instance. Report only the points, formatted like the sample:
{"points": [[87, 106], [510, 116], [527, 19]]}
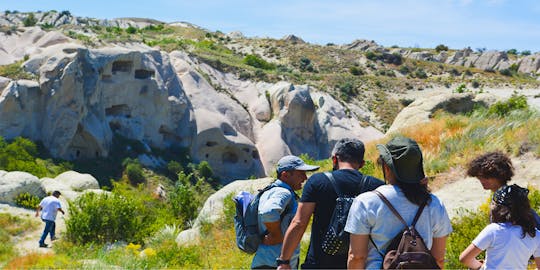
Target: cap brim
{"points": [[387, 158], [306, 167]]}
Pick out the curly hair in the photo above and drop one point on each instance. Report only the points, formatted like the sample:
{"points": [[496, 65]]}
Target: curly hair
{"points": [[492, 165]]}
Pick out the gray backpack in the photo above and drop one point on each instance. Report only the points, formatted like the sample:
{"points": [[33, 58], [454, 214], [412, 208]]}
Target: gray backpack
{"points": [[246, 225]]}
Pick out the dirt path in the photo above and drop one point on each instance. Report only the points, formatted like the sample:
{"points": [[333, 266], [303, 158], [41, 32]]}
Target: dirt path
{"points": [[28, 242]]}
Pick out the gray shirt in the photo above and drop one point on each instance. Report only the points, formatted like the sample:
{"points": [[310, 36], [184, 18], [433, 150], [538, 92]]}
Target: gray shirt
{"points": [[369, 215]]}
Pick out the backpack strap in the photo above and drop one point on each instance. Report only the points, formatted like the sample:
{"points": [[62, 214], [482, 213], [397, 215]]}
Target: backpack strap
{"points": [[396, 213], [330, 177]]}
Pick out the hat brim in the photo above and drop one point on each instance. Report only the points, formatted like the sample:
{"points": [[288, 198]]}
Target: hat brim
{"points": [[306, 167], [387, 157]]}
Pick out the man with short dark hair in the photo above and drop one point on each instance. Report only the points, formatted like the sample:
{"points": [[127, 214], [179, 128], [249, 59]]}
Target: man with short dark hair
{"points": [[50, 206], [319, 199], [277, 207]]}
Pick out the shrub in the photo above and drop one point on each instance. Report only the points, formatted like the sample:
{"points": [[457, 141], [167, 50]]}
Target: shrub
{"points": [[404, 70], [306, 65], [30, 20], [134, 173], [107, 218], [441, 47], [205, 170], [462, 88], [131, 30], [526, 52], [505, 72], [257, 62], [503, 108], [356, 71], [420, 73], [512, 51], [27, 200]]}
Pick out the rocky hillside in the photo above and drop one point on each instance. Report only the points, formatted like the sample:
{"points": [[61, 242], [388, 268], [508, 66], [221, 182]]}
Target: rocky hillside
{"points": [[239, 103]]}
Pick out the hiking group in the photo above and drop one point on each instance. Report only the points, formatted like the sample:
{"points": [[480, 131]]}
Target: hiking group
{"points": [[361, 222]]}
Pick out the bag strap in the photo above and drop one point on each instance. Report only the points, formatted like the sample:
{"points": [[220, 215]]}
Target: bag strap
{"points": [[330, 177], [396, 213]]}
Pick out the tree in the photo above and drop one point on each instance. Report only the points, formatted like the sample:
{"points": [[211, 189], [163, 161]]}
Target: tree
{"points": [[441, 47]]}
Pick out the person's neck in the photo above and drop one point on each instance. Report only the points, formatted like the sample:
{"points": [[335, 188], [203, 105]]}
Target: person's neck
{"points": [[347, 165]]}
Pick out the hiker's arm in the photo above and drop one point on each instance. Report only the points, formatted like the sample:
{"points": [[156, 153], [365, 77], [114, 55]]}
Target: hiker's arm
{"points": [[37, 210], [438, 249], [358, 251], [274, 235], [60, 209], [537, 261], [468, 257], [296, 229]]}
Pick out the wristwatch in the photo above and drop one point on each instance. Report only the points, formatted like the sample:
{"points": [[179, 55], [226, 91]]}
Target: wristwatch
{"points": [[279, 261]]}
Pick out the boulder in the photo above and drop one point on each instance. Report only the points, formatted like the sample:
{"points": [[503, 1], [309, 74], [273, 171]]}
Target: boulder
{"points": [[213, 207], [490, 59], [15, 183], [530, 64], [77, 181], [422, 109]]}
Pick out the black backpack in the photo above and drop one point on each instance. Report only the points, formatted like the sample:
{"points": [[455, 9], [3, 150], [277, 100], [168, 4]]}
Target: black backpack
{"points": [[407, 249], [336, 240]]}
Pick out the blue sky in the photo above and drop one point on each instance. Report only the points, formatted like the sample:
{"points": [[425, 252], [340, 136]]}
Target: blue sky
{"points": [[491, 24]]}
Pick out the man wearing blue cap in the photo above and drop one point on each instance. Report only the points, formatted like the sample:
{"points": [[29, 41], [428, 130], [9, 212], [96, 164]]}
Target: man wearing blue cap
{"points": [[277, 207], [319, 200]]}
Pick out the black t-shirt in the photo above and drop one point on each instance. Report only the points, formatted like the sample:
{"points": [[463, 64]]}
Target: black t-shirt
{"points": [[319, 190]]}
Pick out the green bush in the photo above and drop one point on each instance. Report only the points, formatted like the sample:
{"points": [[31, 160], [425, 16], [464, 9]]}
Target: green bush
{"points": [[465, 229], [135, 173], [462, 88], [107, 218], [503, 108], [306, 65], [131, 30], [184, 200], [257, 62], [30, 20], [27, 200], [441, 47]]}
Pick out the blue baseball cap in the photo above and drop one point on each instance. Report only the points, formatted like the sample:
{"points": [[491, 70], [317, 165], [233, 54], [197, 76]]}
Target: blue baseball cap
{"points": [[290, 163]]}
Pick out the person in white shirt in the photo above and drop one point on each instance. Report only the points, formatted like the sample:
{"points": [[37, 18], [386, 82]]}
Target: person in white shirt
{"points": [[511, 238], [401, 161], [49, 206]]}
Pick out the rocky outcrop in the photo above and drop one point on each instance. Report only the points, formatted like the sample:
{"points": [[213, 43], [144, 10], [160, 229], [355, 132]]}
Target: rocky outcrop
{"points": [[363, 45], [269, 120], [530, 64], [422, 109], [15, 183], [56, 19], [85, 95], [15, 45], [293, 39]]}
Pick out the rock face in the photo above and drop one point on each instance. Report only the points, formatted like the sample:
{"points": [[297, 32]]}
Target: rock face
{"points": [[422, 109], [83, 96], [15, 183]]}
